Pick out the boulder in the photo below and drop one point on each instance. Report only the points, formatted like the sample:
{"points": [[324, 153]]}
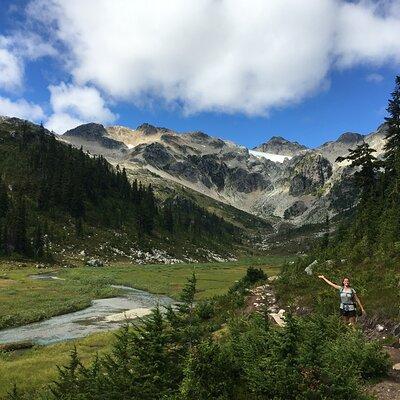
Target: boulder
{"points": [[94, 262], [309, 269]]}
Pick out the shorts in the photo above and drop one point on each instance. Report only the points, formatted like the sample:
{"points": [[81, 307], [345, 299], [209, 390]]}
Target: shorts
{"points": [[348, 313]]}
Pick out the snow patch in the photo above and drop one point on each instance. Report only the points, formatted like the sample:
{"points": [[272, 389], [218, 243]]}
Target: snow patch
{"points": [[269, 156]]}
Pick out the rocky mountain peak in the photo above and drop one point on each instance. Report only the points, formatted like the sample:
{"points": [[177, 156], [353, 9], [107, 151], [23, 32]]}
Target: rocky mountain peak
{"points": [[281, 146], [198, 135], [350, 137], [89, 131], [149, 129]]}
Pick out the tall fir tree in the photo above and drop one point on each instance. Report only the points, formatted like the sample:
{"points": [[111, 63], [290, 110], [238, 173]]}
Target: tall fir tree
{"points": [[4, 201], [392, 147]]}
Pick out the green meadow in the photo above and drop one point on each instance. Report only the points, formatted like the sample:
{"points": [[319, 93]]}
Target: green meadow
{"points": [[24, 300]]}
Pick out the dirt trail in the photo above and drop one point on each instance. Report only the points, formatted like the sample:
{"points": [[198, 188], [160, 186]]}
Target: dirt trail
{"points": [[389, 388], [261, 299]]}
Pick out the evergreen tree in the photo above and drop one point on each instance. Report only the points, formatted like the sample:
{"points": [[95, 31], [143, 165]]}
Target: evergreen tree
{"points": [[69, 386], [367, 166], [392, 147], [38, 242], [168, 218], [4, 202]]}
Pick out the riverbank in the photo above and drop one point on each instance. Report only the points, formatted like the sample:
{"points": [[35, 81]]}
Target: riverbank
{"points": [[77, 287], [34, 368]]}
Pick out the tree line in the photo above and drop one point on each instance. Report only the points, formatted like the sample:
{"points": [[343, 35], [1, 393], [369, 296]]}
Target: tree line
{"points": [[44, 181], [373, 230]]}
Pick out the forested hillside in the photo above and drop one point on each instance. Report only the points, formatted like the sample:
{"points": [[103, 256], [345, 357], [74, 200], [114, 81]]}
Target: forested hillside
{"points": [[366, 246], [52, 194]]}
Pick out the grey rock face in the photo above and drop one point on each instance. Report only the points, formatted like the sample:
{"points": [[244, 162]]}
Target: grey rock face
{"points": [[92, 133], [89, 131], [212, 168], [296, 209], [308, 173], [350, 137], [281, 146], [246, 182], [149, 130], [156, 154], [301, 190], [343, 193]]}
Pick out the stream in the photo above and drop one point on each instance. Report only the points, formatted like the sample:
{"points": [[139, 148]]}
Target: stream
{"points": [[103, 315]]}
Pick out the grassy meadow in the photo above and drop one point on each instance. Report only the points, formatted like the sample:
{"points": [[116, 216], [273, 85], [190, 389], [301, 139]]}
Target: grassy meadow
{"points": [[24, 300]]}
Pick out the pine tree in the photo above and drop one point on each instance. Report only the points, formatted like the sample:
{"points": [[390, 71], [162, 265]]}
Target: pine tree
{"points": [[168, 218], [362, 158], [67, 386], [20, 240], [38, 242], [392, 147], [4, 202]]}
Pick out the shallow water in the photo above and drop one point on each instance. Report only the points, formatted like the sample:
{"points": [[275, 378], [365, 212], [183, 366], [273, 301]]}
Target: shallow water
{"points": [[84, 322]]}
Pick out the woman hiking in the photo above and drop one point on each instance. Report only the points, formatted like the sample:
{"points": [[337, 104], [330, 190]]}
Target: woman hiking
{"points": [[348, 300]]}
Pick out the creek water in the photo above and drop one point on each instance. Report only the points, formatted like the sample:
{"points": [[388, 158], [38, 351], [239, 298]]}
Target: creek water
{"points": [[84, 322]]}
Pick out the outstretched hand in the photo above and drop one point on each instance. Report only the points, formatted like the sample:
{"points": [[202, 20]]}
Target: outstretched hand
{"points": [[321, 276]]}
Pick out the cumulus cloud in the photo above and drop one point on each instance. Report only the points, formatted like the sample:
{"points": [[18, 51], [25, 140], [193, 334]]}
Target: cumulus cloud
{"points": [[15, 49], [11, 71], [21, 109], [62, 122], [226, 55], [74, 105]]}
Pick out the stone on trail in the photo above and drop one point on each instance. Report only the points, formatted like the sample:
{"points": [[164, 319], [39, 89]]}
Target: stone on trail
{"points": [[380, 328]]}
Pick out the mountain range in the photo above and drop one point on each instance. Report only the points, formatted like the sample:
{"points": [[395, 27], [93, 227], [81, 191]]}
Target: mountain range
{"points": [[281, 181]]}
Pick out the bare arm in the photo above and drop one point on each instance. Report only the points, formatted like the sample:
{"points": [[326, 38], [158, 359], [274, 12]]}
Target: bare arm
{"points": [[359, 303], [329, 282]]}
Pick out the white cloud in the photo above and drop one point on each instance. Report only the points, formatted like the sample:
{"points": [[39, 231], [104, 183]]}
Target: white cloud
{"points": [[15, 49], [366, 36], [21, 109], [62, 122], [11, 70], [226, 55], [374, 78], [73, 105]]}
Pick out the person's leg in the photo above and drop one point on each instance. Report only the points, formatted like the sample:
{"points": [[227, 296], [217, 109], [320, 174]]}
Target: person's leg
{"points": [[352, 321]]}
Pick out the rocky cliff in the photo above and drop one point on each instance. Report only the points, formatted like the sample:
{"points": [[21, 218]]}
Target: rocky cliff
{"points": [[279, 178]]}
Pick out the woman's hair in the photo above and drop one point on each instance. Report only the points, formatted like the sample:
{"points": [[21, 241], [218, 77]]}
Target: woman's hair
{"points": [[344, 279]]}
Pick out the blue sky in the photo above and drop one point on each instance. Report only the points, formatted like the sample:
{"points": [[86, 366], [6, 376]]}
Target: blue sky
{"points": [[221, 80]]}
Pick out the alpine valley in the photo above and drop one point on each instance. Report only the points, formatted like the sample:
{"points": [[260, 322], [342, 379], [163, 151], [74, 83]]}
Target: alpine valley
{"points": [[283, 182]]}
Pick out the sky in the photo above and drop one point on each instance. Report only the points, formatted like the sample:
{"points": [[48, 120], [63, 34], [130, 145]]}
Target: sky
{"points": [[240, 70]]}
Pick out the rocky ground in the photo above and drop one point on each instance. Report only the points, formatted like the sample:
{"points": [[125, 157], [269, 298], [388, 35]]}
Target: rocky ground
{"points": [[262, 299], [389, 388]]}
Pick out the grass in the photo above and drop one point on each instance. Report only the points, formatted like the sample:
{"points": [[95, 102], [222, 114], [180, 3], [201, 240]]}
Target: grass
{"points": [[376, 286], [35, 368], [23, 300], [81, 285]]}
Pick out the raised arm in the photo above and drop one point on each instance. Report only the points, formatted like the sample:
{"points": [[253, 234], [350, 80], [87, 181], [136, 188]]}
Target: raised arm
{"points": [[359, 303], [329, 282]]}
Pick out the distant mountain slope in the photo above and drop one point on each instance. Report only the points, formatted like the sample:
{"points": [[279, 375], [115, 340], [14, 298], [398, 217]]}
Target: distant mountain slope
{"points": [[56, 198], [277, 180]]}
